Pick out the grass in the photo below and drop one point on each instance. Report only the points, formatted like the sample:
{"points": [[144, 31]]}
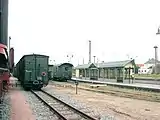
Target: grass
{"points": [[147, 76]]}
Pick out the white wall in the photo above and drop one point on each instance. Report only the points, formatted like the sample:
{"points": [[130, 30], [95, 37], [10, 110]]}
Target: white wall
{"points": [[145, 69]]}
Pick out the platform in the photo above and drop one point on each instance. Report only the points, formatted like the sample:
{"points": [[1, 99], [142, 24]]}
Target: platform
{"points": [[148, 87]]}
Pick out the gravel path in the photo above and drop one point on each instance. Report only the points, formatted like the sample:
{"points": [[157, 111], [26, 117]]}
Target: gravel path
{"points": [[121, 108], [39, 109], [5, 108], [83, 107]]}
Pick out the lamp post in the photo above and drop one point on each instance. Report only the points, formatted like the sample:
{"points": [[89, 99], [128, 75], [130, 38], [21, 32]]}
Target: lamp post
{"points": [[155, 47]]}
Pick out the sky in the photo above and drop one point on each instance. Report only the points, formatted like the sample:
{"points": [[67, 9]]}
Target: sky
{"points": [[118, 29]]}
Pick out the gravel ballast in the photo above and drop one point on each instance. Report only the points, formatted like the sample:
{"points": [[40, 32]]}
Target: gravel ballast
{"points": [[5, 108], [40, 111], [84, 108]]}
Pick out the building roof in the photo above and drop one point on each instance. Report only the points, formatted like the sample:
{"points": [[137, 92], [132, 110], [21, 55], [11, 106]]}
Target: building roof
{"points": [[151, 61], [105, 64], [84, 66], [114, 64]]}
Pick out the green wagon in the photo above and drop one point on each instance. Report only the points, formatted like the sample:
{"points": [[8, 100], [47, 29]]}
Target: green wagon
{"points": [[32, 71]]}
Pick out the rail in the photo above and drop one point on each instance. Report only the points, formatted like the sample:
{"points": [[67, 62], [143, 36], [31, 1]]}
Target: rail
{"points": [[59, 114]]}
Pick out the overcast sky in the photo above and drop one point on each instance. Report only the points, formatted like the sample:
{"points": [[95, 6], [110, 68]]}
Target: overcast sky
{"points": [[61, 27]]}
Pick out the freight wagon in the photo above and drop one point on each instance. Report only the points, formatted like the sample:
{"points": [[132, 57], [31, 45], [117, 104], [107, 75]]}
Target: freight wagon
{"points": [[62, 72], [32, 71]]}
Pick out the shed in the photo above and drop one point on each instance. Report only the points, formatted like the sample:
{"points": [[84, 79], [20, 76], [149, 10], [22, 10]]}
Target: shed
{"points": [[87, 70], [107, 70], [117, 64]]}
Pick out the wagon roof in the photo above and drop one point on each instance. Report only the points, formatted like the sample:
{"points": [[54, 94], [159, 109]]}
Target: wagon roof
{"points": [[35, 55], [64, 64], [31, 55]]}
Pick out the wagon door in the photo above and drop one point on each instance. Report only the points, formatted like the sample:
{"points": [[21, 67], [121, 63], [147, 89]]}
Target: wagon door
{"points": [[42, 68]]}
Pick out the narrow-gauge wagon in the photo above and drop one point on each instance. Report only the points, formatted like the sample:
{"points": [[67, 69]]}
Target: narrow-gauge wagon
{"points": [[32, 71], [62, 72]]}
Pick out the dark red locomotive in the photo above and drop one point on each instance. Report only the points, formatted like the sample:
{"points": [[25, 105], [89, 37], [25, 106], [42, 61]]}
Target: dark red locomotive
{"points": [[4, 60]]}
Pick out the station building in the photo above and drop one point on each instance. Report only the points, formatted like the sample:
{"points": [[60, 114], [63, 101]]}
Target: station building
{"points": [[119, 70]]}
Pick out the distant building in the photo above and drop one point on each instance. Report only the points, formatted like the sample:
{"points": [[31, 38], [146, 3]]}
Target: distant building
{"points": [[147, 67]]}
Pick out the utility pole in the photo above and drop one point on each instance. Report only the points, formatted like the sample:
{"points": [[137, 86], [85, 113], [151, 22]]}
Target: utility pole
{"points": [[156, 55], [155, 47]]}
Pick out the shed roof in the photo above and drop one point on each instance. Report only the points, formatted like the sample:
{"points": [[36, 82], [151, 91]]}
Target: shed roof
{"points": [[84, 66], [106, 64], [114, 64]]}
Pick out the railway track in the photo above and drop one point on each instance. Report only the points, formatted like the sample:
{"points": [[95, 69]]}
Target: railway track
{"points": [[141, 95], [60, 108]]}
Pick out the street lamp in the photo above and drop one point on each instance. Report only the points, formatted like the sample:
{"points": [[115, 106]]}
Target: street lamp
{"points": [[155, 47]]}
